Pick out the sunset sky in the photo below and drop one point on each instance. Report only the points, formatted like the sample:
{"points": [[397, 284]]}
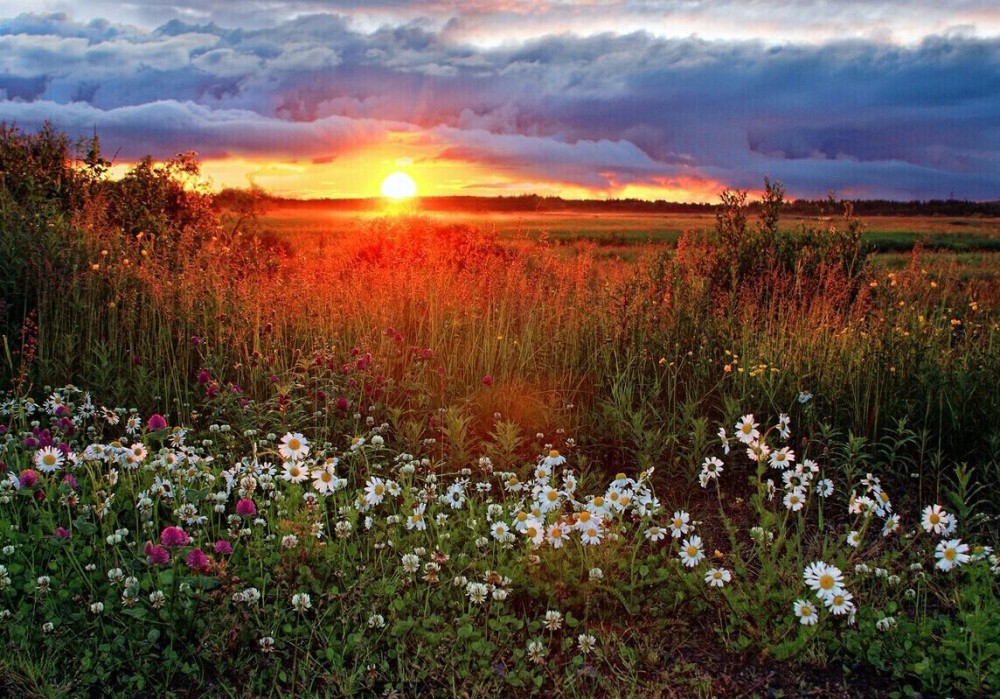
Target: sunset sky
{"points": [[621, 98]]}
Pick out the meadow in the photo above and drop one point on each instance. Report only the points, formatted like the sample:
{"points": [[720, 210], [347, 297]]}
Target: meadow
{"points": [[254, 453]]}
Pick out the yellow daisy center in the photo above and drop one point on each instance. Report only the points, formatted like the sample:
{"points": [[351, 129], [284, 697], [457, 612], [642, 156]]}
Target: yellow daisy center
{"points": [[552, 496], [49, 459], [554, 453], [826, 581], [950, 554], [379, 489], [294, 444], [935, 518], [691, 551]]}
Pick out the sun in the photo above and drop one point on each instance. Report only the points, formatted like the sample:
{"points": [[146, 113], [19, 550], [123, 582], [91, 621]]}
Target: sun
{"points": [[399, 185]]}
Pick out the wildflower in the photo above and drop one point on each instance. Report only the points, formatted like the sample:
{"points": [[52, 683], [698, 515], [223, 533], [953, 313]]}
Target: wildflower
{"points": [[501, 531], [655, 533], [223, 548], [854, 539], [592, 534], [376, 621], [488, 380], [48, 627], [374, 491], [157, 555], [266, 644], [548, 499], [417, 520], [724, 439], [885, 624], [935, 520], [712, 467], [477, 592], [411, 563], [839, 602], [691, 553], [554, 459], [556, 535], [325, 479], [156, 422], [294, 447], [746, 429], [794, 500], [172, 537], [718, 577], [951, 553], [679, 524], [455, 497], [294, 472], [595, 575], [60, 533], [49, 460], [27, 479], [553, 620], [157, 599], [535, 531], [196, 560], [824, 488], [536, 652], [586, 642], [42, 584], [805, 397], [782, 458], [97, 607], [806, 612], [301, 601], [784, 426], [823, 579], [246, 508]]}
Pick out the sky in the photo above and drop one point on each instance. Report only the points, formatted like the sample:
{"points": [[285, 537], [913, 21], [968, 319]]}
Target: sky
{"points": [[656, 99]]}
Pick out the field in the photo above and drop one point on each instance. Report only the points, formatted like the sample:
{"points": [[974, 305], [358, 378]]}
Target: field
{"points": [[266, 452]]}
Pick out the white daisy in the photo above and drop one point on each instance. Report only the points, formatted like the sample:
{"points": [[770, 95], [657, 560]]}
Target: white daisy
{"points": [[951, 554], [746, 429], [691, 553], [806, 612], [718, 577], [294, 446]]}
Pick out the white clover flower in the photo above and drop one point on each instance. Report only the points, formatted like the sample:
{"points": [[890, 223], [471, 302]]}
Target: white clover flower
{"points": [[411, 563], [553, 620], [476, 592], [586, 642], [301, 601], [885, 624]]}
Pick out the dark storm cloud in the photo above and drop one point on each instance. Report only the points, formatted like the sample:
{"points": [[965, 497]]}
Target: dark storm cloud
{"points": [[602, 110]]}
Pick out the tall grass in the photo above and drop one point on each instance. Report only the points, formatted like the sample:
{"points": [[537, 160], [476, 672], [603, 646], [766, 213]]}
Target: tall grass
{"points": [[136, 286]]}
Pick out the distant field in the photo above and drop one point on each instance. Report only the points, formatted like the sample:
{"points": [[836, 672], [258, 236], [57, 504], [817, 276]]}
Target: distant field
{"points": [[885, 233], [969, 246]]}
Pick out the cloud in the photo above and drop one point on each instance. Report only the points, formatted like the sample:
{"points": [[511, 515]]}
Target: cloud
{"points": [[602, 110]]}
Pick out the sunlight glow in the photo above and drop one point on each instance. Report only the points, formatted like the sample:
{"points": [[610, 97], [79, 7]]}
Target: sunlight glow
{"points": [[399, 185]]}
